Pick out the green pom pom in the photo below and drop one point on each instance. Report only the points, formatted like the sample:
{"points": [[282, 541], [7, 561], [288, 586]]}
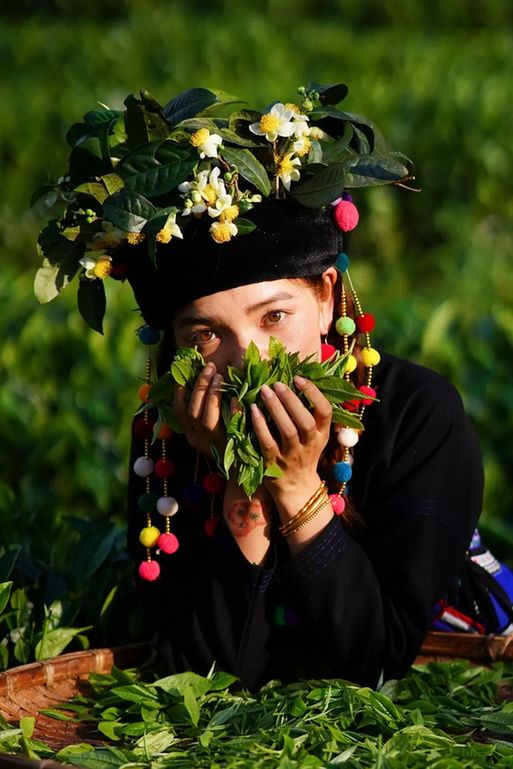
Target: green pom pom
{"points": [[345, 325]]}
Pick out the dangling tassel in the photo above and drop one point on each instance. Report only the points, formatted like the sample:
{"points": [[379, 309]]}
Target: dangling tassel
{"points": [[154, 473]]}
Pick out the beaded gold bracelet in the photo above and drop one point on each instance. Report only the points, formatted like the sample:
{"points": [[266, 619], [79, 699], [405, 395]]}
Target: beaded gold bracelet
{"points": [[309, 509], [325, 500]]}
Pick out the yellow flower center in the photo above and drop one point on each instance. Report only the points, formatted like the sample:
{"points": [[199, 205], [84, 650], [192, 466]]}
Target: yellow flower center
{"points": [[305, 148], [293, 107], [199, 137], [134, 238], [164, 235], [229, 214], [209, 194], [286, 166], [269, 123], [102, 268], [222, 233]]}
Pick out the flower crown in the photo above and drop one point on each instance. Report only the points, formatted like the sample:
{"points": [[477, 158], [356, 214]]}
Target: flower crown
{"points": [[144, 173]]}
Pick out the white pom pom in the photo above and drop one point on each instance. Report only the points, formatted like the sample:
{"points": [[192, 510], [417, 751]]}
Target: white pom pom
{"points": [[143, 467], [347, 437], [167, 506]]}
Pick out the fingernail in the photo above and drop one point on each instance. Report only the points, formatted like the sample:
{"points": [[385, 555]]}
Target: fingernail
{"points": [[209, 368], [266, 391], [216, 381], [300, 381], [280, 387], [255, 410]]}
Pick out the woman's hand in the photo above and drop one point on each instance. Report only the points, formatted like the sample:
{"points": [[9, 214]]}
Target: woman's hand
{"points": [[200, 415], [303, 435]]}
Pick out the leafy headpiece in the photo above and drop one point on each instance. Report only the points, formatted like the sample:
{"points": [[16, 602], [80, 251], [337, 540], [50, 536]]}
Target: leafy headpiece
{"points": [[185, 201]]}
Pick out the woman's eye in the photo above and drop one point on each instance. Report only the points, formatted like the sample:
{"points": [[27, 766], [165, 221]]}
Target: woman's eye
{"points": [[275, 316], [203, 336]]}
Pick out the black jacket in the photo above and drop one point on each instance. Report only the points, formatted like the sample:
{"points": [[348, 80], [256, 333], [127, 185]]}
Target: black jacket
{"points": [[355, 606]]}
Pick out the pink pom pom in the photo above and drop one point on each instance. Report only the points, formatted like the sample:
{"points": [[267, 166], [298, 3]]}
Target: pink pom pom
{"points": [[346, 215], [168, 543], [327, 351], [338, 504], [366, 390], [213, 483], [149, 570], [210, 526]]}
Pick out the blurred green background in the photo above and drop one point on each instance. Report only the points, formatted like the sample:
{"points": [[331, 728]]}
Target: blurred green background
{"points": [[434, 266]]}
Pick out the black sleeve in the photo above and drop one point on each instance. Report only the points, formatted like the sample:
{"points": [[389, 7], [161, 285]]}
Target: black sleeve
{"points": [[208, 604], [365, 603]]}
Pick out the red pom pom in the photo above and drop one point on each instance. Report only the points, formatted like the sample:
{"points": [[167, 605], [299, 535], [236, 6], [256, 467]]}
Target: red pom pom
{"points": [[327, 351], [351, 405], [165, 468], [210, 526], [365, 323], [143, 429], [168, 543], [213, 483], [366, 390], [149, 570], [346, 215], [338, 504]]}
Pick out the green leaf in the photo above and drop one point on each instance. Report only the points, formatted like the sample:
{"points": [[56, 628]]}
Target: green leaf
{"points": [[8, 561], [249, 167], [188, 104], [5, 592], [273, 471], [94, 189], [372, 170], [322, 188], [92, 302], [157, 168], [144, 121], [191, 705], [27, 724], [128, 210], [329, 94], [244, 226], [55, 641], [87, 757]]}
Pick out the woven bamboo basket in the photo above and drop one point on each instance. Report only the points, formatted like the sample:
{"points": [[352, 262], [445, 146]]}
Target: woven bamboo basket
{"points": [[27, 689]]}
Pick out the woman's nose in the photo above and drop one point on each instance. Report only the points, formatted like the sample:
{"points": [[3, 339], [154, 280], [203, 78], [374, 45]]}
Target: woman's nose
{"points": [[235, 350]]}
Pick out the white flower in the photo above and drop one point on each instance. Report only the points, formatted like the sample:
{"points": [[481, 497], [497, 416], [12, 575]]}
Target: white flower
{"points": [[203, 192], [301, 127], [169, 230], [222, 232], [96, 265], [277, 122], [206, 143], [110, 237], [317, 133], [287, 170], [222, 203]]}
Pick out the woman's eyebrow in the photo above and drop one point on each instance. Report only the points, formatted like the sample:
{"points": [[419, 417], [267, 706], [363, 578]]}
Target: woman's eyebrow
{"points": [[281, 296], [192, 320]]}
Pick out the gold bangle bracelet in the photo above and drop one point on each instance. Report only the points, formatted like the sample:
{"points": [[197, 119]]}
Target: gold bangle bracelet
{"points": [[322, 504], [305, 510]]}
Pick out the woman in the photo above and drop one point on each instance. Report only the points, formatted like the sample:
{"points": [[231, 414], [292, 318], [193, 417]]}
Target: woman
{"points": [[334, 566]]}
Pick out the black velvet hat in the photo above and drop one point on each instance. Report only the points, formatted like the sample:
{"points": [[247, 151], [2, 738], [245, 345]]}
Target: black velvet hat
{"points": [[185, 201], [290, 241]]}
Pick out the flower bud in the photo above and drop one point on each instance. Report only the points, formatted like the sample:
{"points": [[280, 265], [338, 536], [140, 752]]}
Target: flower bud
{"points": [[196, 196]]}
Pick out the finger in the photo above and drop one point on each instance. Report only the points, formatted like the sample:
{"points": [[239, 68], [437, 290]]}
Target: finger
{"points": [[300, 415], [180, 405], [212, 404], [322, 408], [198, 395], [268, 445], [286, 427]]}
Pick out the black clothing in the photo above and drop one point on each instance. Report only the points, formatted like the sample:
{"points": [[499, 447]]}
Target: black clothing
{"points": [[358, 605]]}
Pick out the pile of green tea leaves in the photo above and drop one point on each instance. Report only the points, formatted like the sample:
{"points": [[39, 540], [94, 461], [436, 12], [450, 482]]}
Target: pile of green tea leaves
{"points": [[242, 452], [442, 716]]}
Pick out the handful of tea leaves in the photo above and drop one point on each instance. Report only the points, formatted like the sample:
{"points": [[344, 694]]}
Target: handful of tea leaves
{"points": [[242, 452]]}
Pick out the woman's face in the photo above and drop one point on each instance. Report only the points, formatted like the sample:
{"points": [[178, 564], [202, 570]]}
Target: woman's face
{"points": [[222, 325]]}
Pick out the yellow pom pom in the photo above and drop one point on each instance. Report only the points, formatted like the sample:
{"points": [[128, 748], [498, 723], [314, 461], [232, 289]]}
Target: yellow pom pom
{"points": [[148, 536], [370, 356], [351, 364]]}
